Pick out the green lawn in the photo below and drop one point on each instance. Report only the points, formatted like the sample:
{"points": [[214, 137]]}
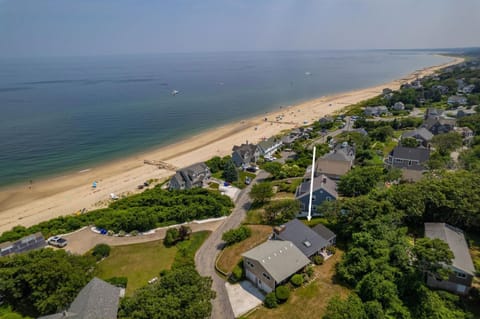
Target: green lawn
{"points": [[141, 262], [7, 313], [138, 262]]}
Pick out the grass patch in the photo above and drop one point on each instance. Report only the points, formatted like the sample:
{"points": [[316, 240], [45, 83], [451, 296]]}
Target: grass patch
{"points": [[254, 217], [141, 262], [311, 300], [241, 179], [231, 255], [138, 262], [6, 312]]}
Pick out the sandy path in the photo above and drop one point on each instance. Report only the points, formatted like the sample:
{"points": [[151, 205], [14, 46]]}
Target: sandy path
{"points": [[21, 205]]}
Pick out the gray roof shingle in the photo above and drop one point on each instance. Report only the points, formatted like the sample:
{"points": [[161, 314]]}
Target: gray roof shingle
{"points": [[302, 236], [455, 239], [281, 259], [324, 232], [420, 154]]}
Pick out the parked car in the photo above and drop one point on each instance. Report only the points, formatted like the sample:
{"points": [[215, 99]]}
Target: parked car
{"points": [[57, 241], [247, 180], [252, 169]]}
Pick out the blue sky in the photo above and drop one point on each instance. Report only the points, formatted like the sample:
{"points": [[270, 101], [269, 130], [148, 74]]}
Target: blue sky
{"points": [[91, 27]]}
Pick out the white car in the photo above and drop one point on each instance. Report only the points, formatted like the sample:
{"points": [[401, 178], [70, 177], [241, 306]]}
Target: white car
{"points": [[57, 241]]}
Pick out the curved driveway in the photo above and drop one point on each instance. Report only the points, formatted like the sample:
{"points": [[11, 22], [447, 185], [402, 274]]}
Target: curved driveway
{"points": [[206, 255]]}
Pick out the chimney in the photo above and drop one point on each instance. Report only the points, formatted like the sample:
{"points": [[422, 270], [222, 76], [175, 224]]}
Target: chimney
{"points": [[279, 229], [324, 179]]}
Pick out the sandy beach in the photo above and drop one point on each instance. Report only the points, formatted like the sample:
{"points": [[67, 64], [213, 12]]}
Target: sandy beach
{"points": [[27, 204]]}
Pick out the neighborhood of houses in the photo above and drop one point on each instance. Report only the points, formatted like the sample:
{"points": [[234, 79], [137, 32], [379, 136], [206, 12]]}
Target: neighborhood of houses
{"points": [[293, 245]]}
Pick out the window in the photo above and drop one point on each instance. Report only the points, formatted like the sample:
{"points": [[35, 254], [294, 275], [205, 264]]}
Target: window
{"points": [[266, 276], [250, 264], [461, 275]]}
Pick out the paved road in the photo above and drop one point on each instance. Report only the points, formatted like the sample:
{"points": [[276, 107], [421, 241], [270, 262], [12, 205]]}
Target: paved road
{"points": [[205, 257]]}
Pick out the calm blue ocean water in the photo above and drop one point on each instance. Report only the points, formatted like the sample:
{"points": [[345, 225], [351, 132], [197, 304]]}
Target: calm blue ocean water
{"points": [[63, 114]]}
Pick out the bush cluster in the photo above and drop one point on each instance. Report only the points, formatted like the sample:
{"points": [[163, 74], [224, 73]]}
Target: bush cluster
{"points": [[236, 235], [297, 280], [101, 251], [150, 209]]}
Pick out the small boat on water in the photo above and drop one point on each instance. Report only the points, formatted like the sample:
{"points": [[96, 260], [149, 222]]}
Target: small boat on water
{"points": [[308, 73], [175, 92]]}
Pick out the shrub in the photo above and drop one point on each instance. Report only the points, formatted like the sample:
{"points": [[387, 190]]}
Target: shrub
{"points": [[134, 233], [270, 300], [101, 251], [171, 237], [309, 271], [118, 281], [238, 273], [318, 260], [236, 235], [331, 250], [282, 293], [163, 272], [297, 280]]}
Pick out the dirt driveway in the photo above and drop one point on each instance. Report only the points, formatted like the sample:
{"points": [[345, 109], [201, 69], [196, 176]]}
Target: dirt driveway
{"points": [[83, 240]]}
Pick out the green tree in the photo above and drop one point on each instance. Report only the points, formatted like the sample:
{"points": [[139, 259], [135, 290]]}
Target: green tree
{"points": [[273, 168], [43, 281], [351, 308], [230, 173], [382, 133], [181, 293], [236, 235], [282, 293], [410, 142], [172, 236], [431, 255], [360, 180], [281, 211], [261, 192], [101, 251], [270, 301], [446, 143]]}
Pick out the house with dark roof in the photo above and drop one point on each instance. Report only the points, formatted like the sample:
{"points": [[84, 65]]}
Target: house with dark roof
{"points": [[410, 160], [324, 189], [457, 100], [303, 237], [272, 263], [440, 124], [336, 163], [462, 269], [195, 175], [97, 300], [326, 234], [375, 110], [27, 243], [422, 135], [408, 157], [245, 154], [269, 146]]}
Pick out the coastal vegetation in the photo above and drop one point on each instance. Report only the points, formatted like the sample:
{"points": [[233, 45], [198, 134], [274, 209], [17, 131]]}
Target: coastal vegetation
{"points": [[179, 293], [153, 208], [43, 281]]}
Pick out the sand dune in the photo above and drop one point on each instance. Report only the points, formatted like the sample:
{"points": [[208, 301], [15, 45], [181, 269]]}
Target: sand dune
{"points": [[30, 204]]}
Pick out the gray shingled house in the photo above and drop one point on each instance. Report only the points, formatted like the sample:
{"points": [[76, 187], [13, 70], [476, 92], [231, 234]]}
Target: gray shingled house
{"points": [[336, 163], [272, 263], [27, 243], [192, 176], [326, 234], [97, 300], [463, 271], [422, 135], [302, 236], [269, 146], [324, 189], [245, 154], [410, 160]]}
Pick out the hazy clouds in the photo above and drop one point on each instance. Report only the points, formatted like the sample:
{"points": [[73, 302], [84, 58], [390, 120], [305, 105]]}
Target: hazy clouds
{"points": [[86, 27]]}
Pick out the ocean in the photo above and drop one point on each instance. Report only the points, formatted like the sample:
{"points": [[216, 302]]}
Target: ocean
{"points": [[70, 113]]}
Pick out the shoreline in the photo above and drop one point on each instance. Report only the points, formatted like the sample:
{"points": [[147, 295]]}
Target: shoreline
{"points": [[26, 205]]}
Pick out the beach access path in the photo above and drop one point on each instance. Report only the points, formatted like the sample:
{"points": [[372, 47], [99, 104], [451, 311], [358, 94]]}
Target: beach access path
{"points": [[29, 204], [207, 254]]}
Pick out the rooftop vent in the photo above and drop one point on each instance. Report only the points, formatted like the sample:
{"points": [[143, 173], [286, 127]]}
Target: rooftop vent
{"points": [[307, 243]]}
